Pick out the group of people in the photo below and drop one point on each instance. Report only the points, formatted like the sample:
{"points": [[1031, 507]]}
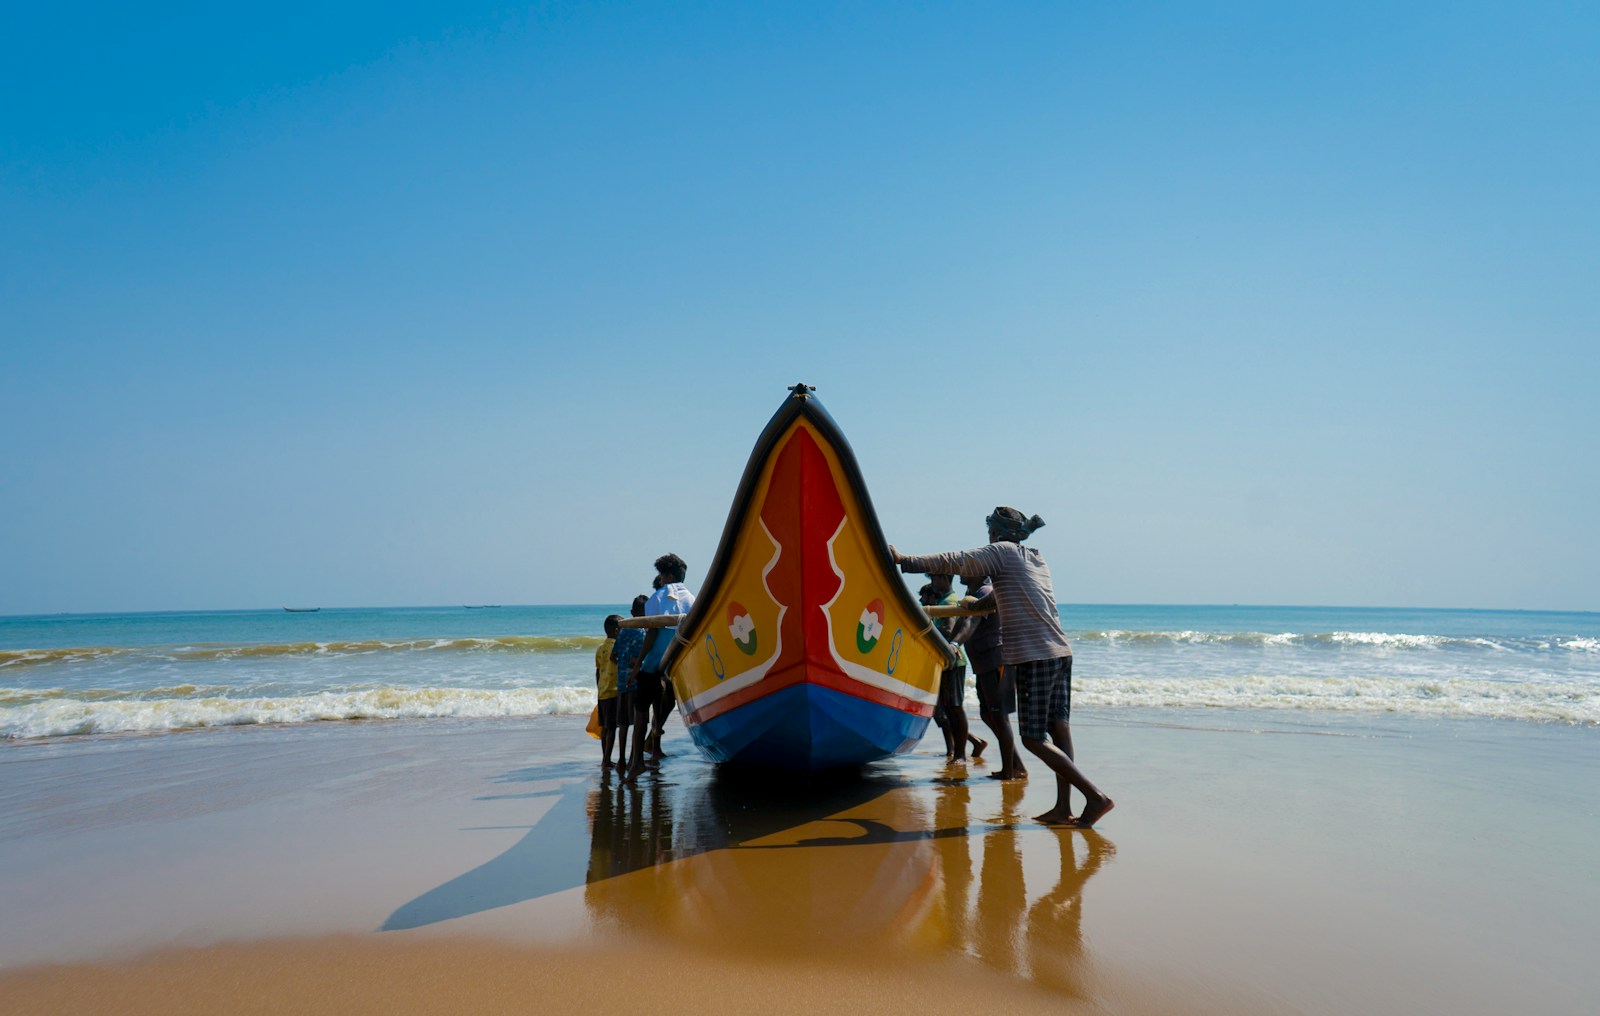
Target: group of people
{"points": [[1033, 672], [1020, 657], [633, 690]]}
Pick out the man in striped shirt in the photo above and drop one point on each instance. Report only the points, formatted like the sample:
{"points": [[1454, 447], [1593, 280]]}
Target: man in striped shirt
{"points": [[1034, 647]]}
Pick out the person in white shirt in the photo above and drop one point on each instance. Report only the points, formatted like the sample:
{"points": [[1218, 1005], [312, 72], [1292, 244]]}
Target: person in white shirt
{"points": [[652, 692]]}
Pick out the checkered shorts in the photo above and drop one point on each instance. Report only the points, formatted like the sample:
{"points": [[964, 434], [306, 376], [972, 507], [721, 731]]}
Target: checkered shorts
{"points": [[1044, 695]]}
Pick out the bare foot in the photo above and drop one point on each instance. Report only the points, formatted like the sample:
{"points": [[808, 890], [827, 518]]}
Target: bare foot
{"points": [[633, 774], [1094, 812], [1057, 818], [978, 744], [1010, 774]]}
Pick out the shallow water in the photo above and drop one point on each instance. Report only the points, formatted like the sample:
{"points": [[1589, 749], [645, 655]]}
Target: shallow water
{"points": [[95, 674], [1305, 862]]}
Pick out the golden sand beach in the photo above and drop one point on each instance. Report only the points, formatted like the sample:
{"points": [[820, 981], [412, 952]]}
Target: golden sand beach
{"points": [[1305, 865]]}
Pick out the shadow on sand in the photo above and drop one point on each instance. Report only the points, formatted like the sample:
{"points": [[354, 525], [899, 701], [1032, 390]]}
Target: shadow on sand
{"points": [[748, 860]]}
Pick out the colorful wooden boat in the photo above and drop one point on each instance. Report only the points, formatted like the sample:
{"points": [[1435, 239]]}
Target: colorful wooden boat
{"points": [[804, 649]]}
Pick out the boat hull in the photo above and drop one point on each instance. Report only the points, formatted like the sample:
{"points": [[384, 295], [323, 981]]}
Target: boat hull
{"points": [[804, 649], [809, 727]]}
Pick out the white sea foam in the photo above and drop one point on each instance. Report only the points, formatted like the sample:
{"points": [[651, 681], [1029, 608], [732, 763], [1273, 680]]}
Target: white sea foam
{"points": [[1387, 640], [207, 652], [50, 715], [1455, 697], [1350, 639], [56, 712]]}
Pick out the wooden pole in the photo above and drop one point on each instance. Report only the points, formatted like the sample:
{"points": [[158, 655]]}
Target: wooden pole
{"points": [[673, 620], [956, 611], [655, 621]]}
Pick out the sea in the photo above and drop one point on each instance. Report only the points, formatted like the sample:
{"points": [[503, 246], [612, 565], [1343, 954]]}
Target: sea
{"points": [[77, 675]]}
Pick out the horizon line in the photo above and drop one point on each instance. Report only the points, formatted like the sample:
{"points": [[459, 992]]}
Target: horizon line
{"points": [[607, 606]]}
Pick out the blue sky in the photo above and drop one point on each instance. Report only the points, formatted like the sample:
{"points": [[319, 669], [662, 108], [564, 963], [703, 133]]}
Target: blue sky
{"points": [[471, 303]]}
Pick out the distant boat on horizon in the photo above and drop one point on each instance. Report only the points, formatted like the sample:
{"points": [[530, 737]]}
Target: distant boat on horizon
{"points": [[302, 610], [481, 606]]}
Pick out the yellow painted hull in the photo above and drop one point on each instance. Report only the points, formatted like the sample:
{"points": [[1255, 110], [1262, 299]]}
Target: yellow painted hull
{"points": [[805, 649]]}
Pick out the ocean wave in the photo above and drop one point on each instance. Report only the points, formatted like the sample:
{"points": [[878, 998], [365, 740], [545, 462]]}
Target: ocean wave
{"points": [[10, 697], [220, 651], [1373, 639], [1433, 697], [57, 712], [48, 715], [81, 654]]}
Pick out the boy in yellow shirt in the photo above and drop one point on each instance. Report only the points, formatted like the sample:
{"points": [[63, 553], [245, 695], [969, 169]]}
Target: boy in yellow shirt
{"points": [[605, 682]]}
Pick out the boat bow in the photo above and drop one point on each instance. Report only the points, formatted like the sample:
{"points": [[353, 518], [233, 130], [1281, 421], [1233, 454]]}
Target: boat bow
{"points": [[805, 648]]}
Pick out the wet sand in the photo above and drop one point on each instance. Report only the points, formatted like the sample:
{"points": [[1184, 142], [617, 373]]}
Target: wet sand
{"points": [[1255, 864]]}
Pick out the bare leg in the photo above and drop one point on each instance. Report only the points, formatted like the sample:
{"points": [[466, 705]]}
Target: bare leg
{"points": [[663, 708], [624, 722], [1001, 689], [1093, 812], [1068, 775], [1011, 767], [641, 725], [608, 740], [944, 729], [956, 729], [1061, 735], [955, 715]]}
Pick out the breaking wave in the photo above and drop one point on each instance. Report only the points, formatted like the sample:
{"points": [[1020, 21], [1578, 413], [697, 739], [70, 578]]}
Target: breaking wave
{"points": [[36, 713], [58, 713], [1462, 698], [206, 652], [1372, 639]]}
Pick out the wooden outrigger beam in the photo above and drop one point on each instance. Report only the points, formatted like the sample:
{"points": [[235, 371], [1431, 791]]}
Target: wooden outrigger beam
{"points": [[656, 621], [672, 620], [957, 611]]}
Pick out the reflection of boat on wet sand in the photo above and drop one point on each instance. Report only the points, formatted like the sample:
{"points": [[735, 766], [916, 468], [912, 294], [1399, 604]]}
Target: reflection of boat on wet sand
{"points": [[873, 868], [878, 866], [805, 650], [768, 867]]}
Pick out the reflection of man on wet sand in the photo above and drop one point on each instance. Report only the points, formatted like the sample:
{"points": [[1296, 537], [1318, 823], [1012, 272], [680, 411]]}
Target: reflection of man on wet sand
{"points": [[873, 865], [950, 811], [1001, 895], [1055, 921], [1034, 647]]}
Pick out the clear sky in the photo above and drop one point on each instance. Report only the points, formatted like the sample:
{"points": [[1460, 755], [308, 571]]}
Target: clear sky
{"points": [[435, 303]]}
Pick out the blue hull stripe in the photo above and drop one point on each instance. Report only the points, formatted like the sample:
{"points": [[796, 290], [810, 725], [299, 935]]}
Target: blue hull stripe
{"points": [[806, 726]]}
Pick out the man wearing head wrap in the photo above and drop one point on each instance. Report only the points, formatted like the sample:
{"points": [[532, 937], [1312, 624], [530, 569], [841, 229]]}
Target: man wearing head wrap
{"points": [[1034, 647]]}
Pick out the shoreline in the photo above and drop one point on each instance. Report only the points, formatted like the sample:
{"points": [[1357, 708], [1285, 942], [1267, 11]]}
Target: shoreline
{"points": [[1307, 863]]}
